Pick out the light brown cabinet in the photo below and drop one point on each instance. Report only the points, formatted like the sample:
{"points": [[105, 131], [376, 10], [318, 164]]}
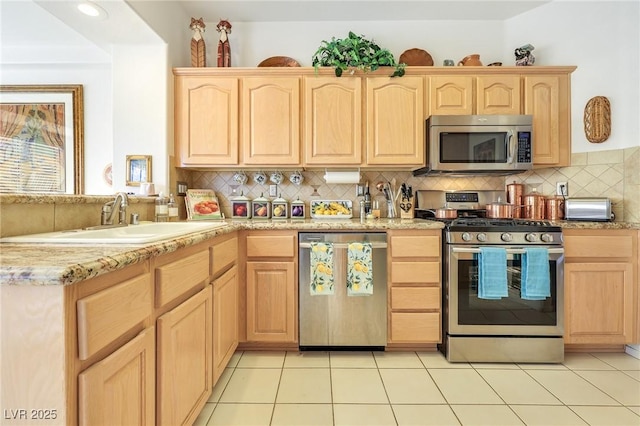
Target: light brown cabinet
{"points": [[601, 287], [271, 121], [271, 287], [225, 320], [395, 121], [184, 360], [415, 288], [548, 99], [120, 389], [544, 94], [333, 121], [262, 117], [206, 120]]}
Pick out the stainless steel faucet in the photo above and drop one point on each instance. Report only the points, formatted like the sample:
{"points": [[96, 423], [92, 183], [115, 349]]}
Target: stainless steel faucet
{"points": [[120, 203]]}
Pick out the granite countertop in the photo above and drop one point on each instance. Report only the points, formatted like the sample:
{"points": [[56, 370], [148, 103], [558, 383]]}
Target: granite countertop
{"points": [[65, 264]]}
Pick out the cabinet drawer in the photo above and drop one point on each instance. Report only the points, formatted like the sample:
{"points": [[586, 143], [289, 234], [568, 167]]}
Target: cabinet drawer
{"points": [[619, 245], [415, 272], [415, 246], [223, 254], [415, 298], [107, 315], [271, 245], [415, 327], [176, 278]]}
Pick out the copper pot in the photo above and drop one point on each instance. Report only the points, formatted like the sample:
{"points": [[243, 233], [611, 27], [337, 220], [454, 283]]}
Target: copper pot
{"points": [[515, 192], [500, 210], [554, 208], [445, 213], [534, 206]]}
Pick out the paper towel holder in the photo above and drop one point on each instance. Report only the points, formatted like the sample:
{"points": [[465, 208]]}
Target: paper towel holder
{"points": [[342, 176]]}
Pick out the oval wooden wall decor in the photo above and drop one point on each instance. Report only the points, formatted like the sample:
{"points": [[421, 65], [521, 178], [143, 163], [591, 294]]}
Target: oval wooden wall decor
{"points": [[597, 119]]}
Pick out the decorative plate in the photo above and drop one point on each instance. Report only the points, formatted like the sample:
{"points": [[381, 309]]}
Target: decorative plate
{"points": [[331, 209], [279, 61], [416, 57]]}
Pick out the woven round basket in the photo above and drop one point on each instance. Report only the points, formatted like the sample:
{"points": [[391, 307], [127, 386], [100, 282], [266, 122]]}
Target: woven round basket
{"points": [[597, 119]]}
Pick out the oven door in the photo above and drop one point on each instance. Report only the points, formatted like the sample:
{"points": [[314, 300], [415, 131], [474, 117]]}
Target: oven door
{"points": [[512, 315]]}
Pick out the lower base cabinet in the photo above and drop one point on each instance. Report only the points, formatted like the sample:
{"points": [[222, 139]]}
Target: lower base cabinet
{"points": [[225, 320], [601, 287], [119, 390], [184, 357]]}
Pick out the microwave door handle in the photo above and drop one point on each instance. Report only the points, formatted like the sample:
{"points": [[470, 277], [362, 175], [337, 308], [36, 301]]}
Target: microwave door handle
{"points": [[512, 147]]}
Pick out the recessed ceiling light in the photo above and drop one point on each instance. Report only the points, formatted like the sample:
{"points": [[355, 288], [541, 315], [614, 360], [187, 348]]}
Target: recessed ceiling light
{"points": [[92, 9]]}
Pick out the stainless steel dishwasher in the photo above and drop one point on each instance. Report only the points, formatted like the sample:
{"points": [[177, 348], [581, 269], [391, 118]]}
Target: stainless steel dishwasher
{"points": [[341, 321]]}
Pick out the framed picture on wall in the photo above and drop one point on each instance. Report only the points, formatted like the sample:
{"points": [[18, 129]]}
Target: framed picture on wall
{"points": [[138, 169], [41, 139]]}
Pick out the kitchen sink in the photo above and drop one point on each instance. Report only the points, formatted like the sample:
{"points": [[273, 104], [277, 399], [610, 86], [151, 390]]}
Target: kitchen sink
{"points": [[132, 234]]}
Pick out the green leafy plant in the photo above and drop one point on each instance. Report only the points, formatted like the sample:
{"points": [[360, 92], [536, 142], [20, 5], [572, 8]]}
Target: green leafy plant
{"points": [[354, 52]]}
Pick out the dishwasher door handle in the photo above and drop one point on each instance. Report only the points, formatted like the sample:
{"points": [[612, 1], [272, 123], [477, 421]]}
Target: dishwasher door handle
{"points": [[374, 245]]}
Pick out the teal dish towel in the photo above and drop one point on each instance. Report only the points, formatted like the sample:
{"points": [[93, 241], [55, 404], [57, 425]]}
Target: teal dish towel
{"points": [[492, 274], [535, 282]]}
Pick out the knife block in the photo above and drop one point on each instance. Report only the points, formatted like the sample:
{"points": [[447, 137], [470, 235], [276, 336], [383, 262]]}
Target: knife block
{"points": [[406, 208]]}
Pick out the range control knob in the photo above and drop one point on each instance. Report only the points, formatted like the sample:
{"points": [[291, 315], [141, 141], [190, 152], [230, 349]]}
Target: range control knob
{"points": [[547, 238], [506, 237], [466, 236], [531, 237], [482, 237]]}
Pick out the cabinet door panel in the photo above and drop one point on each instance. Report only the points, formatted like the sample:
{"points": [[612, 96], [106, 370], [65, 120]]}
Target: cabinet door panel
{"points": [[395, 121], [225, 320], [547, 99], [177, 278], [451, 95], [498, 94], [184, 360], [271, 302], [271, 120], [415, 246], [207, 123], [333, 121], [599, 303], [119, 390]]}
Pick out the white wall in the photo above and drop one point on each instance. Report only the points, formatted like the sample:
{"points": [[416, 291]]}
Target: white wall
{"points": [[603, 39], [252, 42]]}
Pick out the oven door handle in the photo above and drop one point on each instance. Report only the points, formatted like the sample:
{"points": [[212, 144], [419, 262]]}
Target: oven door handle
{"points": [[559, 250]]}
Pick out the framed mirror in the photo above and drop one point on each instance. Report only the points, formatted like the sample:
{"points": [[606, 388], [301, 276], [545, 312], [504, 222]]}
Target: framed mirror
{"points": [[138, 169], [41, 139]]}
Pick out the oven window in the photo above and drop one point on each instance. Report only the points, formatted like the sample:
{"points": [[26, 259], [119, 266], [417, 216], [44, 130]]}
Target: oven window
{"points": [[473, 147], [511, 310]]}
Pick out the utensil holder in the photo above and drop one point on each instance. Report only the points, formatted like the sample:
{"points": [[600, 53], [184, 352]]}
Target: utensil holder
{"points": [[391, 209], [406, 208]]}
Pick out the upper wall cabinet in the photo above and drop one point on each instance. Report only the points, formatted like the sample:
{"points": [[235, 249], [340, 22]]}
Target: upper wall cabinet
{"points": [[271, 121], [395, 121], [333, 121], [206, 120], [300, 117]]}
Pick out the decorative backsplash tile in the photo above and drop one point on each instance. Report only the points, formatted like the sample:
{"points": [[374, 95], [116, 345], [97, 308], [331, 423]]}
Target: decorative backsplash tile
{"points": [[614, 174]]}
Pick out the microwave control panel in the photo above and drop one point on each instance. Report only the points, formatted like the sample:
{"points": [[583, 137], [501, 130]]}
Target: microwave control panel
{"points": [[524, 147]]}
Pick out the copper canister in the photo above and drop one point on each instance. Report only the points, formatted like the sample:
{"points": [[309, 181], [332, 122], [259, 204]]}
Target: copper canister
{"points": [[515, 193], [554, 208], [534, 206]]}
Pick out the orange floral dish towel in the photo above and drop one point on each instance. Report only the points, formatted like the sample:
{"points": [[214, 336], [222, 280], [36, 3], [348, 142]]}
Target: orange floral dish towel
{"points": [[359, 269], [321, 262]]}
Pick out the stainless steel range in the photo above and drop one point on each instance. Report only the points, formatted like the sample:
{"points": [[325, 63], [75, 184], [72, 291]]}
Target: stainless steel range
{"points": [[513, 327]]}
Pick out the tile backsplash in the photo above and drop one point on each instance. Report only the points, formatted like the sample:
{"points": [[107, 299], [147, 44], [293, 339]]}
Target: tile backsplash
{"points": [[614, 174]]}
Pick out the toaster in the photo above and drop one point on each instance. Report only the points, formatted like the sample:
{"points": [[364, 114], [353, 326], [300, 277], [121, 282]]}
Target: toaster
{"points": [[588, 209]]}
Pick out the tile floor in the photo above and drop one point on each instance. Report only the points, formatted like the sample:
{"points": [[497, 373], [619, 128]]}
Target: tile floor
{"points": [[422, 388]]}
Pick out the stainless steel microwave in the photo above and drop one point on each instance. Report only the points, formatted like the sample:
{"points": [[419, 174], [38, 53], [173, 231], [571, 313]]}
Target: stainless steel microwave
{"points": [[478, 144]]}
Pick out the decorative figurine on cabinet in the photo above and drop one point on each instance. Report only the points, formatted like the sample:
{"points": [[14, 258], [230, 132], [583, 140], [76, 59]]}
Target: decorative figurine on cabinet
{"points": [[524, 56], [224, 50], [198, 50]]}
